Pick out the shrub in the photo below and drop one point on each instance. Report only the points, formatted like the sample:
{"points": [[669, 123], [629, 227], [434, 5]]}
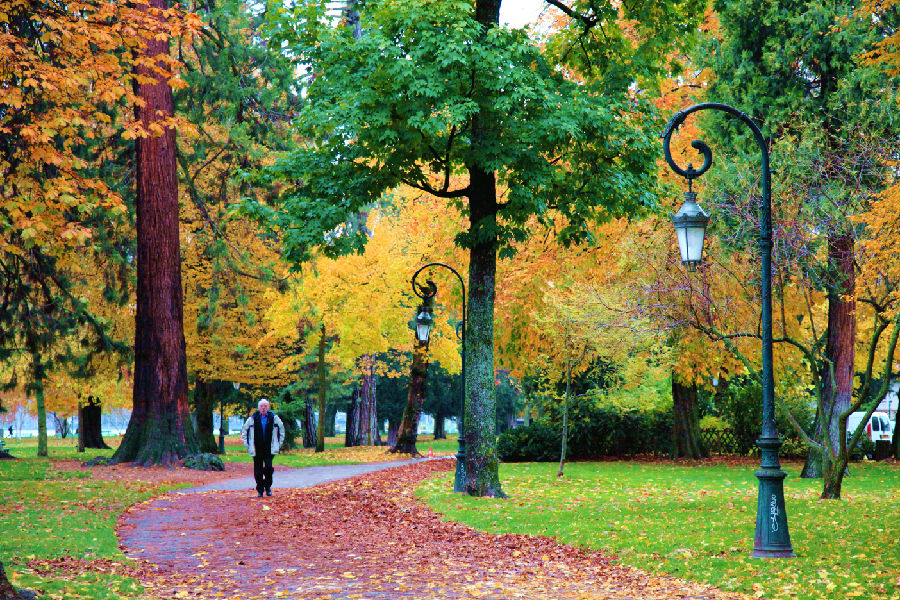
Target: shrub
{"points": [[596, 431], [204, 462], [538, 442]]}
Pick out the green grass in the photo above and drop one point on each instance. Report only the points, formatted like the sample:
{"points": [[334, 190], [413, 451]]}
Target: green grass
{"points": [[50, 514], [697, 523]]}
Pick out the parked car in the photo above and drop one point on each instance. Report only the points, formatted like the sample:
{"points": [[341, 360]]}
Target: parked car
{"points": [[877, 429]]}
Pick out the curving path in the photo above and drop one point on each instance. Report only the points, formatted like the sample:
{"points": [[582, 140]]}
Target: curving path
{"points": [[361, 538]]}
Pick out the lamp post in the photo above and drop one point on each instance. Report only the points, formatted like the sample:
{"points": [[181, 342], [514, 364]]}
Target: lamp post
{"points": [[429, 291], [772, 539]]}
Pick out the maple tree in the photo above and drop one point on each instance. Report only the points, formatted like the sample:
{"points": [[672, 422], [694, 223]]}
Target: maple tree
{"points": [[438, 89]]}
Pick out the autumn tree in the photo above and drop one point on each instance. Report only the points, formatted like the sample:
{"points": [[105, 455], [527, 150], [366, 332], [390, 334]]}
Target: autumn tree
{"points": [[59, 110], [800, 78], [438, 89]]}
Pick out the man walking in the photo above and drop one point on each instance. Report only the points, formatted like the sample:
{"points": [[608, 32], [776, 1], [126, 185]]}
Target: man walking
{"points": [[263, 434]]}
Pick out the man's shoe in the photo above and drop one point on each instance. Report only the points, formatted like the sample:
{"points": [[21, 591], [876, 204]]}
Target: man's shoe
{"points": [[260, 494], [268, 493]]}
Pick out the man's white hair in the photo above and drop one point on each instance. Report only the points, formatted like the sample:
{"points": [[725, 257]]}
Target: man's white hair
{"points": [[260, 403]]}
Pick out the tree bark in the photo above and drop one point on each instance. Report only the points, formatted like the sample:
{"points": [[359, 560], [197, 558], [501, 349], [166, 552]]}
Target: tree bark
{"points": [[351, 437], [439, 433], [309, 424], [686, 441], [41, 417], [159, 431], [367, 409], [89, 423], [409, 424], [840, 349], [323, 392], [7, 591], [482, 477], [204, 404]]}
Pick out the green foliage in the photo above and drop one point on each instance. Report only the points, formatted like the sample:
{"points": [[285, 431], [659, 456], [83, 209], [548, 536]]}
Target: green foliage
{"points": [[595, 430], [398, 105], [697, 523], [740, 405], [537, 442]]}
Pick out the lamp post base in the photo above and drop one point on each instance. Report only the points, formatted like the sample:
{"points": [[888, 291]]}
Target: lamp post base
{"points": [[459, 480], [772, 539]]}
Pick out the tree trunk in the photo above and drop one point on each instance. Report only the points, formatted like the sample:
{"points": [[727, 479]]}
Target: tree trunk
{"points": [[60, 426], [482, 477], [159, 431], [329, 421], [89, 421], [409, 424], [565, 423], [323, 392], [7, 591], [204, 404], [351, 437], [309, 424], [439, 433], [686, 441], [837, 373], [833, 476], [41, 418], [367, 408], [392, 434], [80, 428], [895, 447]]}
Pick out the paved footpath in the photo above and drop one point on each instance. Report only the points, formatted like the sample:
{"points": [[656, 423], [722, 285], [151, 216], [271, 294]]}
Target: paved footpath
{"points": [[365, 538], [303, 478]]}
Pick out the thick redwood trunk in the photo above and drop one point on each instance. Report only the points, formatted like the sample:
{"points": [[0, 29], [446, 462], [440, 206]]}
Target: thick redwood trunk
{"points": [[160, 430], [409, 424], [837, 373], [204, 404], [686, 442], [89, 424]]}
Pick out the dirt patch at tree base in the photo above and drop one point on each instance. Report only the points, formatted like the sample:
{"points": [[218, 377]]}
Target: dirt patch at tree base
{"points": [[365, 538]]}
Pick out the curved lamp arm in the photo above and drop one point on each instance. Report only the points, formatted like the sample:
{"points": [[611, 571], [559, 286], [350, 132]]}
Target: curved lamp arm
{"points": [[765, 237]]}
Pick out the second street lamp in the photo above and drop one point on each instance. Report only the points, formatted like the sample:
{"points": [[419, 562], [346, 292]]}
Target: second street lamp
{"points": [[772, 538], [423, 318]]}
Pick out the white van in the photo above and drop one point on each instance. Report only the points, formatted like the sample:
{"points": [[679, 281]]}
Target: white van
{"points": [[877, 429]]}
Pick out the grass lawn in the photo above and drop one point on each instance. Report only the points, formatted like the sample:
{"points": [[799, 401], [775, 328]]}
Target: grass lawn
{"points": [[50, 514], [697, 523]]}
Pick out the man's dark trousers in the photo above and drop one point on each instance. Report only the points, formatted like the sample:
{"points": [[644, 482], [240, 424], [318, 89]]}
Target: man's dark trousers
{"points": [[262, 470]]}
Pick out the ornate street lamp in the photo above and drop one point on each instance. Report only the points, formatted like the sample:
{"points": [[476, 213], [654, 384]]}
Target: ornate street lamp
{"points": [[424, 319], [772, 538], [427, 293]]}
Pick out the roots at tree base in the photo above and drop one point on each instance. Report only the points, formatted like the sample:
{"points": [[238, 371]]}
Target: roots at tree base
{"points": [[157, 441]]}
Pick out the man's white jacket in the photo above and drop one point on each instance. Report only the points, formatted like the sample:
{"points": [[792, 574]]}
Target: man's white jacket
{"points": [[247, 434]]}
